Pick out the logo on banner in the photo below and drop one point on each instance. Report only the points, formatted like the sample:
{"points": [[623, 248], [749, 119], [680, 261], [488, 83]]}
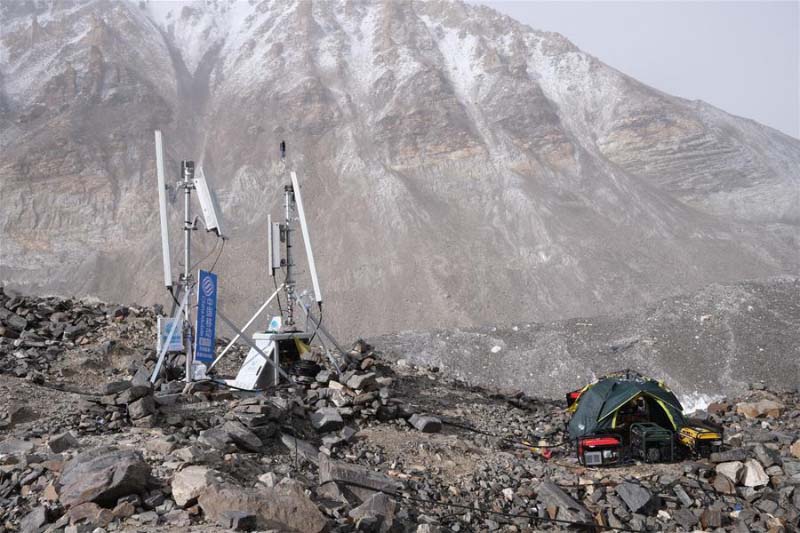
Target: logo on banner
{"points": [[206, 317]]}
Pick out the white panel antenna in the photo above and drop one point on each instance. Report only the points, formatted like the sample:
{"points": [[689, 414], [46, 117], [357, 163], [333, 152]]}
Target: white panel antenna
{"points": [[208, 203], [273, 245], [162, 208], [306, 239]]}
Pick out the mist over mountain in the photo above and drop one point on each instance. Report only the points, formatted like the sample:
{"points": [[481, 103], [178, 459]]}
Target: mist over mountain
{"points": [[458, 168]]}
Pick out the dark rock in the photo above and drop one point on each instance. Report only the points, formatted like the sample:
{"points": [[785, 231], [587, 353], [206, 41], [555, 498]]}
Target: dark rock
{"points": [[74, 331], [283, 507], [724, 485], [116, 387], [680, 492], [426, 424], [735, 454], [552, 496], [133, 393], [766, 456], [102, 476], [335, 476], [242, 437], [380, 506], [685, 518], [637, 498], [304, 449], [362, 381], [216, 438], [142, 407], [63, 442], [711, 519], [326, 420], [33, 521]]}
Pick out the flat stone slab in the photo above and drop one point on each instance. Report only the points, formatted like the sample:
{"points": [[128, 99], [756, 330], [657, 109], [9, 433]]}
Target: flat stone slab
{"points": [[102, 476]]}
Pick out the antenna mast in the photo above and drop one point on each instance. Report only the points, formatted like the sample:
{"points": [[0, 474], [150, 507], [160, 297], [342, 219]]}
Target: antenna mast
{"points": [[187, 171]]}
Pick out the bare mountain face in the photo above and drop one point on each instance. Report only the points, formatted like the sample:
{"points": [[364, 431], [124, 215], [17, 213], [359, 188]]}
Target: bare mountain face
{"points": [[459, 168]]}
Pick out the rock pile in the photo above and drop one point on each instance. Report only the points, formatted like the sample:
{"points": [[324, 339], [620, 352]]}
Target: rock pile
{"points": [[380, 447], [36, 332]]}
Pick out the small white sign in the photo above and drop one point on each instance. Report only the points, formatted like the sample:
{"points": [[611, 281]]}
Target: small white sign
{"points": [[275, 324], [164, 326]]}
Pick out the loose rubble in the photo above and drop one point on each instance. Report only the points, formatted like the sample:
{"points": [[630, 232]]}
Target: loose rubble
{"points": [[87, 442]]}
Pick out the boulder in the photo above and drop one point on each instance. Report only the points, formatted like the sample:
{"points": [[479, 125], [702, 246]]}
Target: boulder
{"points": [[33, 521], [766, 456], [327, 419], [637, 498], [283, 507], [379, 506], [754, 475], [215, 437], [103, 475], [761, 408], [300, 447], [724, 485], [685, 518], [731, 470], [362, 381], [142, 407], [242, 437], [426, 424], [552, 496], [335, 476], [90, 514], [63, 442], [188, 483], [711, 519]]}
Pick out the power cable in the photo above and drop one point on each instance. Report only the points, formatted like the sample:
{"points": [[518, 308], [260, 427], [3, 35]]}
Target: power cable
{"points": [[214, 264], [213, 249]]}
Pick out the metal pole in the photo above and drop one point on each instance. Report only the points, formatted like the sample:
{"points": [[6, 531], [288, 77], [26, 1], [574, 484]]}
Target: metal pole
{"points": [[233, 341], [188, 175], [289, 282]]}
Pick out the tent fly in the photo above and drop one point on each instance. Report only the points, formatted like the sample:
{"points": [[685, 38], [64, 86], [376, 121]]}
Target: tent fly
{"points": [[625, 415]]}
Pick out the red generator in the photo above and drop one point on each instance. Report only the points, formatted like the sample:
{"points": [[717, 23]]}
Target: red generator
{"points": [[599, 450]]}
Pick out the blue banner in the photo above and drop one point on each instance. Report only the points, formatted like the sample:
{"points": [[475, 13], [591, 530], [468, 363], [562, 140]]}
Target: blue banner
{"points": [[206, 317]]}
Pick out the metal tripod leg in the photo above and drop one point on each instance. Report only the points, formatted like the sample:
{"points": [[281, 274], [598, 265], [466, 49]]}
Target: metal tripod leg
{"points": [[252, 344]]}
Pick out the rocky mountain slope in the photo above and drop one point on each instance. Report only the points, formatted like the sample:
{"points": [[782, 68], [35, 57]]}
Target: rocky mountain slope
{"points": [[86, 442], [459, 168], [706, 344]]}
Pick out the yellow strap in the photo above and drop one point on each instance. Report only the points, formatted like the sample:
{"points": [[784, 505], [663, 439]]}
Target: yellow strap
{"points": [[669, 415], [301, 346]]}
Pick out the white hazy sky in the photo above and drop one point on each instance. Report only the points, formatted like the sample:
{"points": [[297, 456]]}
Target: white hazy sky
{"points": [[743, 57]]}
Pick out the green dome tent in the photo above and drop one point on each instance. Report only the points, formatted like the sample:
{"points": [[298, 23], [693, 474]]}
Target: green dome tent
{"points": [[601, 406]]}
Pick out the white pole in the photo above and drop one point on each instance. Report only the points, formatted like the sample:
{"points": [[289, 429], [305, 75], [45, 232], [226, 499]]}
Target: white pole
{"points": [[306, 239]]}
